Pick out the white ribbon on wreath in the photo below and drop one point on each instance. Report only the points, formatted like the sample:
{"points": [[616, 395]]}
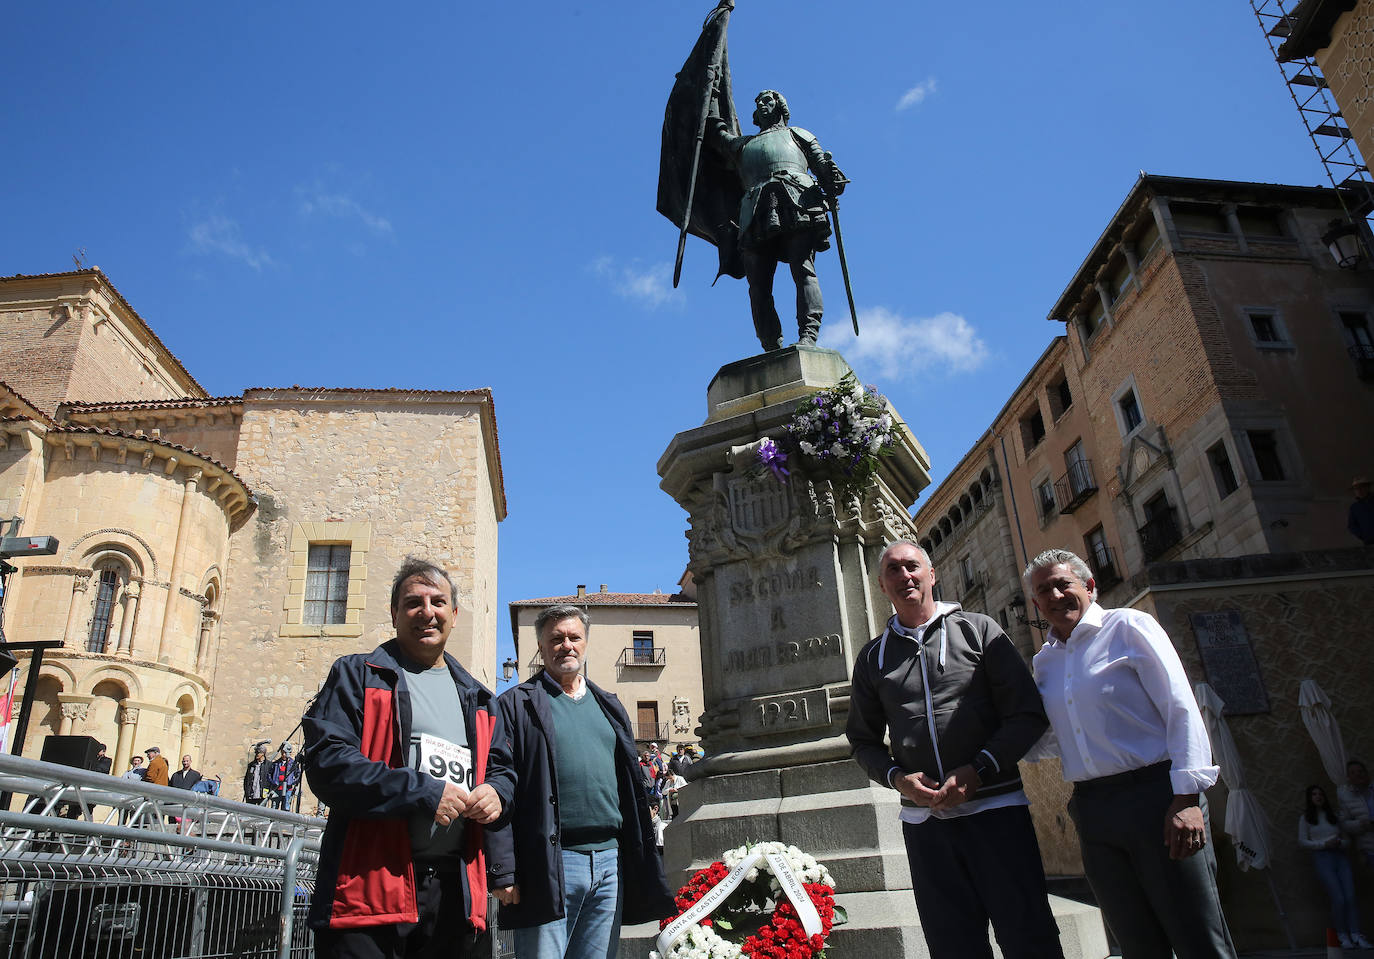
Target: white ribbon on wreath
{"points": [[709, 903]]}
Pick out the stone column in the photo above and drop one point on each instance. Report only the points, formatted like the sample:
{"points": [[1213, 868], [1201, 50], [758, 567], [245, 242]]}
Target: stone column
{"points": [[1233, 222], [1105, 299], [126, 626], [128, 728], [188, 494], [207, 628], [72, 713], [80, 580]]}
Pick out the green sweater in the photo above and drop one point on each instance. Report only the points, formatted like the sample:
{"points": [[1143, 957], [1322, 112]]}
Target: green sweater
{"points": [[584, 761]]}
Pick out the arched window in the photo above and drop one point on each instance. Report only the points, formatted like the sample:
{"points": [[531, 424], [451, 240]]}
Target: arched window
{"points": [[209, 613], [109, 582]]}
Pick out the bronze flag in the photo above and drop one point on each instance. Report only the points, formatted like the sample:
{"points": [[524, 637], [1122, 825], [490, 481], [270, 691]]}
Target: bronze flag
{"points": [[716, 198]]}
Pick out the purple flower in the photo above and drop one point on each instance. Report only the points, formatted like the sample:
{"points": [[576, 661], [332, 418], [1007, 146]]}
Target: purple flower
{"points": [[773, 458]]}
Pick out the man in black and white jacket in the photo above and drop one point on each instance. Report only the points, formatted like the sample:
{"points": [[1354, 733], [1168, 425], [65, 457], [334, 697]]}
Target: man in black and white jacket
{"points": [[959, 707]]}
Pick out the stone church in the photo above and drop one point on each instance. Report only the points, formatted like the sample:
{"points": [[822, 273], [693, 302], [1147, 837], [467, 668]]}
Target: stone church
{"points": [[217, 553]]}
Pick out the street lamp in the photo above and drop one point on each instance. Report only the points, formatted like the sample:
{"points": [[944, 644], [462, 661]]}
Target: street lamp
{"points": [[1342, 239], [508, 669], [1018, 607]]}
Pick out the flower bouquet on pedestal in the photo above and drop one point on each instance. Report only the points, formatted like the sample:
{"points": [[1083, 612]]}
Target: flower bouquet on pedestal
{"points": [[839, 434], [762, 901]]}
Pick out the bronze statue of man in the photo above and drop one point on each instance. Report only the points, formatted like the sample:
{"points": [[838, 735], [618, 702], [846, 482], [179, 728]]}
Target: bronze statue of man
{"points": [[782, 216], [761, 199]]}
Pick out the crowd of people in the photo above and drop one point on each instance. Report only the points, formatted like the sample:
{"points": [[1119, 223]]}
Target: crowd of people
{"points": [[157, 771], [274, 783], [663, 778]]}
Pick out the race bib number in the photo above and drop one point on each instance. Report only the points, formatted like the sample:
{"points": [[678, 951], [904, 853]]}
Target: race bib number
{"points": [[445, 760]]}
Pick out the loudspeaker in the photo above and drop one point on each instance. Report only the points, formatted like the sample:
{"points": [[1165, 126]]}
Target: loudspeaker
{"points": [[78, 751]]}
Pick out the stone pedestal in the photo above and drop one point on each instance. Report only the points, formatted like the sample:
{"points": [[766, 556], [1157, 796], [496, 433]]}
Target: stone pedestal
{"points": [[784, 591], [787, 596]]}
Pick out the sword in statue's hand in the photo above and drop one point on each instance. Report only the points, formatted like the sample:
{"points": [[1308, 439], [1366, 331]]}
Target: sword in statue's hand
{"points": [[833, 201]]}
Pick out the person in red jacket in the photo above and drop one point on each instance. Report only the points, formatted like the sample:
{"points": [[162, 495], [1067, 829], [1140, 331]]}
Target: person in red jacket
{"points": [[398, 743]]}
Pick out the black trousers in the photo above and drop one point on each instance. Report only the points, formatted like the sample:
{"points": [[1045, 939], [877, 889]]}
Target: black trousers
{"points": [[1156, 906], [442, 931], [968, 870]]}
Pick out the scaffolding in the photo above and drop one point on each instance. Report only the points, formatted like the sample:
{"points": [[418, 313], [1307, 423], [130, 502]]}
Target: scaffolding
{"points": [[1326, 127]]}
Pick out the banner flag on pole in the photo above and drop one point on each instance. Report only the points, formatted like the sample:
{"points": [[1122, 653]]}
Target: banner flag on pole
{"points": [[715, 206], [7, 710]]}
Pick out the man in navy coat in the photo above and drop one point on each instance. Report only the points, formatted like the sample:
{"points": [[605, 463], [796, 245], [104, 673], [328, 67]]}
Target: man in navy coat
{"points": [[577, 855]]}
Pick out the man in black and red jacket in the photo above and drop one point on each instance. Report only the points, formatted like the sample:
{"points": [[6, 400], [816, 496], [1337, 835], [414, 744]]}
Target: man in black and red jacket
{"points": [[400, 742]]}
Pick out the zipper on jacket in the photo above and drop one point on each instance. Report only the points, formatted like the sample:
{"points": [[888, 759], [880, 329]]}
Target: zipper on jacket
{"points": [[930, 706]]}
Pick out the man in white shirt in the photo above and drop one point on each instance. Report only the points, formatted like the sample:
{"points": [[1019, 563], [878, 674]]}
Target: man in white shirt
{"points": [[1133, 743]]}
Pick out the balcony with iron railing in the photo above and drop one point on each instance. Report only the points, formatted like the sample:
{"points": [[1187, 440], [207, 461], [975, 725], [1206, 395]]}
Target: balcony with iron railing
{"points": [[1077, 484], [651, 732], [1159, 534], [640, 656], [1106, 571]]}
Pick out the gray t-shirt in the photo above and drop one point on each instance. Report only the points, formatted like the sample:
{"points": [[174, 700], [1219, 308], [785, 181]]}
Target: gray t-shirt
{"points": [[439, 748]]}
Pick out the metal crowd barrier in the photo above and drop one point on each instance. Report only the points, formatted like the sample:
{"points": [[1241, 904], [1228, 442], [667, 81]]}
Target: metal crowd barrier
{"points": [[96, 866]]}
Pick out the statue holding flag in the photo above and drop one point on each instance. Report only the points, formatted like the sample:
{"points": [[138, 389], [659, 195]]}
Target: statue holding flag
{"points": [[761, 199]]}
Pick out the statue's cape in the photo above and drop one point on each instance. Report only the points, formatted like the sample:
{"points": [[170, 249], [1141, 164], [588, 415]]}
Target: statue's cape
{"points": [[716, 203]]}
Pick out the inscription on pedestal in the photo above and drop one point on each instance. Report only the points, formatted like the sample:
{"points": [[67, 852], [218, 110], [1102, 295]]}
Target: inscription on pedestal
{"points": [[783, 618], [776, 585], [785, 713], [783, 653]]}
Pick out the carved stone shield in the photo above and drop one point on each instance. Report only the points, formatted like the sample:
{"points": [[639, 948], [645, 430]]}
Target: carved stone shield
{"points": [[758, 507]]}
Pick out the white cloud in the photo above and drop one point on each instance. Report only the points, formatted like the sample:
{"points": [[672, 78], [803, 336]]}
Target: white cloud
{"points": [[916, 94], [649, 285], [897, 347], [220, 234], [315, 201]]}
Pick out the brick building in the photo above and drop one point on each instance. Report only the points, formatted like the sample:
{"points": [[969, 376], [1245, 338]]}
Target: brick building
{"points": [[1193, 435], [217, 553], [644, 647]]}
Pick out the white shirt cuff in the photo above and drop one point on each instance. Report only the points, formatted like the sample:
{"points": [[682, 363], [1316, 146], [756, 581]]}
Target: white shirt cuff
{"points": [[1189, 781]]}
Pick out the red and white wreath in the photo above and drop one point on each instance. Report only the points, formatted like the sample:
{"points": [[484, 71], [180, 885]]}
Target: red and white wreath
{"points": [[766, 900]]}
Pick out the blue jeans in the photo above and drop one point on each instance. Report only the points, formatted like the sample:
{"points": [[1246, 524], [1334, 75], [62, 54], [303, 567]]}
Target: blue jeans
{"points": [[590, 928], [1333, 869]]}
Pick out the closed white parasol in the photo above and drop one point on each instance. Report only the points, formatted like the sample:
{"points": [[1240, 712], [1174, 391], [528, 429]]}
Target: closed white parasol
{"points": [[1325, 731], [1246, 823]]}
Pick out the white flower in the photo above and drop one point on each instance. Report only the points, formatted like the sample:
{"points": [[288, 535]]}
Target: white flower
{"points": [[807, 448]]}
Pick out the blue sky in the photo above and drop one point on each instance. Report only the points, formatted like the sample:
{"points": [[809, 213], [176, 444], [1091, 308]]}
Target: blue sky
{"points": [[446, 197]]}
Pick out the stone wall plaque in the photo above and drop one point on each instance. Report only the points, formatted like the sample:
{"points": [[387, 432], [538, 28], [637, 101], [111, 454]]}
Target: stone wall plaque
{"points": [[1229, 660], [785, 713]]}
